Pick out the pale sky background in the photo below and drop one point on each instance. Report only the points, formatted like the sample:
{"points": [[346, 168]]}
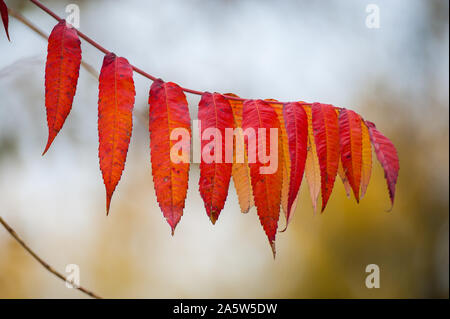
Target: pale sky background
{"points": [[289, 50]]}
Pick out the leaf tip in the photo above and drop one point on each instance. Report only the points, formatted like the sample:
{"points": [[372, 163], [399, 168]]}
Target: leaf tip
{"points": [[108, 203], [287, 223], [173, 225], [324, 203], [390, 208], [46, 147], [314, 209], [363, 193], [51, 137], [213, 217], [272, 246], [357, 195]]}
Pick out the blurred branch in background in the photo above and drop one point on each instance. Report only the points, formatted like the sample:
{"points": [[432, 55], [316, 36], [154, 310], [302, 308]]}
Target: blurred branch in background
{"points": [[91, 70], [11, 231]]}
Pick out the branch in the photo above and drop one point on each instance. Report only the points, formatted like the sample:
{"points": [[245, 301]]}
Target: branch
{"points": [[11, 231], [136, 69]]}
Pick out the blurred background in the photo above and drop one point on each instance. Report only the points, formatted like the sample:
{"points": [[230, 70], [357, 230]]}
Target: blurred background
{"points": [[395, 75]]}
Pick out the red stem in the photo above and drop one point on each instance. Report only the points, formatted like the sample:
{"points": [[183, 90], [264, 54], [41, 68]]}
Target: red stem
{"points": [[135, 69]]}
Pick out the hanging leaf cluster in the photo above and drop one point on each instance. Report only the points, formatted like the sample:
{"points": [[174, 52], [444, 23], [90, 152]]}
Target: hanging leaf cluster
{"points": [[315, 142]]}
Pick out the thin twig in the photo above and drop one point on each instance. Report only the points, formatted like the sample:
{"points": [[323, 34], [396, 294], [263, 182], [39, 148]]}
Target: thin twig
{"points": [[10, 230], [136, 69], [41, 261]]}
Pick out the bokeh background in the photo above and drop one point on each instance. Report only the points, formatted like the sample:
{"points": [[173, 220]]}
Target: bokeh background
{"points": [[396, 75]]}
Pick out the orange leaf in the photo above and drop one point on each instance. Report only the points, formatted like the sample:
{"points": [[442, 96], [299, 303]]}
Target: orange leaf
{"points": [[286, 162], [169, 111], [215, 114], [366, 158], [258, 114], [61, 76], [326, 136], [312, 167], [115, 123], [351, 148], [240, 171], [341, 172]]}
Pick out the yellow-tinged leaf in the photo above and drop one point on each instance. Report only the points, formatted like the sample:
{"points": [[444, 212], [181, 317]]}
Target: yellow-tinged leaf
{"points": [[312, 168], [241, 171], [286, 157], [341, 173], [241, 179]]}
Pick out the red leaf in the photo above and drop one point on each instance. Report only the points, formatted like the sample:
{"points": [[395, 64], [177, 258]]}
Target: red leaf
{"points": [[4, 13], [351, 148], [61, 76], [296, 122], [115, 106], [366, 159], [215, 113], [326, 136], [169, 111], [266, 186], [387, 156]]}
